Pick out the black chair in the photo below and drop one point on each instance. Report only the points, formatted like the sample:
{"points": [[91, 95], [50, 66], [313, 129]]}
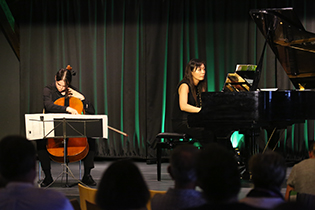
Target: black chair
{"points": [[170, 141]]}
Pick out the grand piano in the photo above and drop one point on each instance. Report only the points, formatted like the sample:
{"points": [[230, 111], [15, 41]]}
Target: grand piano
{"points": [[247, 111]]}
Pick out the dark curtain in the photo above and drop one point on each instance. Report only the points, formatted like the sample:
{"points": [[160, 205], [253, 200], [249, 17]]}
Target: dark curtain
{"points": [[129, 56]]}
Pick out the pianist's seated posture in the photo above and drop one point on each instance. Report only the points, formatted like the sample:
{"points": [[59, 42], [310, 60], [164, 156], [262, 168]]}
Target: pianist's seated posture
{"points": [[188, 100]]}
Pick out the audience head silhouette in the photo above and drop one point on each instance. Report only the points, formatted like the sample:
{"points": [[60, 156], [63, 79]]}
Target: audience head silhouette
{"points": [[268, 170], [218, 174], [122, 187], [17, 159], [18, 167], [182, 165]]}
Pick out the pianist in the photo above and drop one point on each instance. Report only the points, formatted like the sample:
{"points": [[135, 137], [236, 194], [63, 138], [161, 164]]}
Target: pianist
{"points": [[58, 89], [188, 100]]}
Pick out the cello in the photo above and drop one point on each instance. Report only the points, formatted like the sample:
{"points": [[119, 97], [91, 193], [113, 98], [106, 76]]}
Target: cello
{"points": [[77, 148]]}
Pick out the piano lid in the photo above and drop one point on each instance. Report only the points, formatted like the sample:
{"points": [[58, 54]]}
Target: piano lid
{"points": [[293, 46]]}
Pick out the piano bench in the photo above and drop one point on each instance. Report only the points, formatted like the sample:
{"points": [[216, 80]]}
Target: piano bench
{"points": [[170, 141]]}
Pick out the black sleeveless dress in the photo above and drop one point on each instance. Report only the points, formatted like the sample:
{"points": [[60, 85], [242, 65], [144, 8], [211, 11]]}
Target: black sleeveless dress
{"points": [[179, 119]]}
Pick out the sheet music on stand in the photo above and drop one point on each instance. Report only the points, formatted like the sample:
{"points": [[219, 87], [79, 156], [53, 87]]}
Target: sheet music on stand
{"points": [[39, 126], [65, 126]]}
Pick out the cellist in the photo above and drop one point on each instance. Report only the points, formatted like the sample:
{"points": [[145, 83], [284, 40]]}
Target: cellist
{"points": [[62, 87]]}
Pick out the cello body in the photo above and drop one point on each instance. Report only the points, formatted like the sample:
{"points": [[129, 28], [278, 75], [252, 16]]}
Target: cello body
{"points": [[77, 148]]}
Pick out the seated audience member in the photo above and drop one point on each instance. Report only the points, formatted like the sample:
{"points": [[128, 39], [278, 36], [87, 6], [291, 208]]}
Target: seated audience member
{"points": [[182, 170], [268, 172], [218, 177], [301, 178], [122, 187], [18, 167]]}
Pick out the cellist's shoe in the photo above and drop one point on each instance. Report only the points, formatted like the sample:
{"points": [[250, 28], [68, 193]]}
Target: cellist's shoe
{"points": [[46, 182], [88, 180]]}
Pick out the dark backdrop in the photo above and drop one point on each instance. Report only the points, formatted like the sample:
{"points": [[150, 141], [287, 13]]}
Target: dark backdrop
{"points": [[129, 56]]}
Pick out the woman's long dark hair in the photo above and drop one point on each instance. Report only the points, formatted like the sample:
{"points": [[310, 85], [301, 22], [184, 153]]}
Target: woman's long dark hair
{"points": [[202, 86], [66, 76]]}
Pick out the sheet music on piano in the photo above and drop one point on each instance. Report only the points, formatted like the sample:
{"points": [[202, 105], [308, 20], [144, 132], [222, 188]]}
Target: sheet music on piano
{"points": [[241, 80], [39, 126]]}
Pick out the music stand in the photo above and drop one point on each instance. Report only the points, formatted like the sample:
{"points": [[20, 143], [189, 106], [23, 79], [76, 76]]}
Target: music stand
{"points": [[72, 126]]}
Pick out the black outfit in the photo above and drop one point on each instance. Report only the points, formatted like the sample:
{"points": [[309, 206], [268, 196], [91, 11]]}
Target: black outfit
{"points": [[179, 118], [51, 94]]}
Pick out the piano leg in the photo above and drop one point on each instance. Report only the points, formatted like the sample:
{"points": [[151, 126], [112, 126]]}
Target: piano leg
{"points": [[251, 148], [225, 142], [223, 137]]}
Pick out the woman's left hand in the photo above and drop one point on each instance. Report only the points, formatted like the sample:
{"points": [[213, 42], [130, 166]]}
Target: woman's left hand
{"points": [[76, 94]]}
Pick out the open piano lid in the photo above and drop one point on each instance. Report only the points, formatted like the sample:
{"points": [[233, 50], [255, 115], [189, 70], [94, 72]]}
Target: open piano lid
{"points": [[293, 46]]}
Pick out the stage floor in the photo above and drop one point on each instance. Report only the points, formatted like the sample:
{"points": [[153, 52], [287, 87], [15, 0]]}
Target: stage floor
{"points": [[149, 172]]}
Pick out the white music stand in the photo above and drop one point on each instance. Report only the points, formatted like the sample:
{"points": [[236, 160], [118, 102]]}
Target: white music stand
{"points": [[41, 126]]}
